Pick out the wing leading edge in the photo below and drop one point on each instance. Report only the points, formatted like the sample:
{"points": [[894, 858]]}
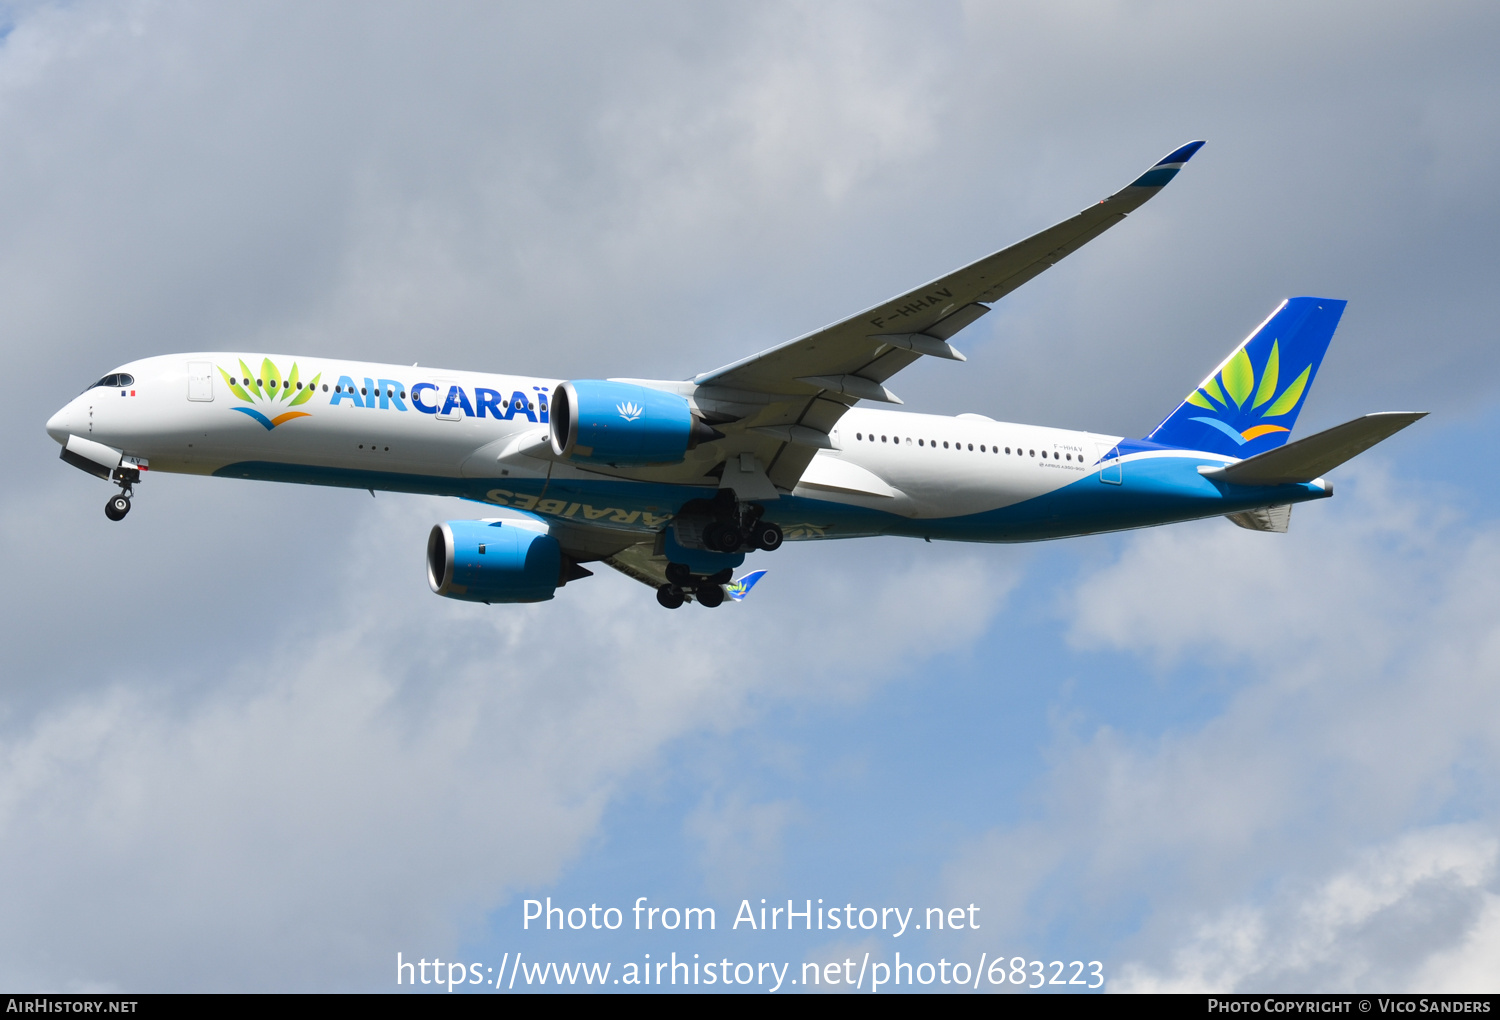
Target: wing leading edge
{"points": [[853, 357], [794, 394]]}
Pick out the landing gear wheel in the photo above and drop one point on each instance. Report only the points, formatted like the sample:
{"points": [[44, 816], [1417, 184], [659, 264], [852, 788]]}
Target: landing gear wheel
{"points": [[722, 537], [670, 597], [679, 573], [767, 535], [117, 507], [710, 595]]}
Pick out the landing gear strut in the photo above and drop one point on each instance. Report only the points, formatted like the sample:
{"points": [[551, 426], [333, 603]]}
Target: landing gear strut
{"points": [[119, 506]]}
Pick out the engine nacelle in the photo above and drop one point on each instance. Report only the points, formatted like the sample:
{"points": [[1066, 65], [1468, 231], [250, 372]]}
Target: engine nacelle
{"points": [[493, 561], [602, 422]]}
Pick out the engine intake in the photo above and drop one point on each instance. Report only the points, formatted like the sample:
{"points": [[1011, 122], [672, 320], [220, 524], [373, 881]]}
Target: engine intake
{"points": [[602, 422], [493, 561]]}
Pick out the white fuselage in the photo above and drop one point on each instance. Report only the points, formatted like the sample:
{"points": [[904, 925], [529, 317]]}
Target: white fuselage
{"points": [[484, 436]]}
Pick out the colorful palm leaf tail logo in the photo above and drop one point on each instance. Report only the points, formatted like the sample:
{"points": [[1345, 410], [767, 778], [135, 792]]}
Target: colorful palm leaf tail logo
{"points": [[1250, 404], [1235, 390], [737, 590], [269, 389]]}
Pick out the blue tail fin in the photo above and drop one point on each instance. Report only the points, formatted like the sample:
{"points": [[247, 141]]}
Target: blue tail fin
{"points": [[737, 590], [1249, 404]]}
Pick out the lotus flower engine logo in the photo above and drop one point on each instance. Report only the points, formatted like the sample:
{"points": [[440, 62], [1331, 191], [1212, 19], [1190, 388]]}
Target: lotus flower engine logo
{"points": [[1233, 394], [268, 389], [629, 410]]}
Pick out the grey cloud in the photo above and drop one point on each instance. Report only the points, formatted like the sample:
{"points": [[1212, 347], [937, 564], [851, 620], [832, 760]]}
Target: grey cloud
{"points": [[1356, 661], [595, 190], [1416, 913], [384, 769]]}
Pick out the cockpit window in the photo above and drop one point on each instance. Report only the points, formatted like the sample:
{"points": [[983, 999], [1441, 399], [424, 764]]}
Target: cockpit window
{"points": [[115, 380]]}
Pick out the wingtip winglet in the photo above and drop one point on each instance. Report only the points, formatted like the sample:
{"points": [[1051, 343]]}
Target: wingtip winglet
{"points": [[1182, 154], [1166, 168]]}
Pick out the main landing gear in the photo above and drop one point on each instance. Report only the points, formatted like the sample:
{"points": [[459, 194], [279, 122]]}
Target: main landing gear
{"points": [[682, 585], [723, 525], [730, 526]]}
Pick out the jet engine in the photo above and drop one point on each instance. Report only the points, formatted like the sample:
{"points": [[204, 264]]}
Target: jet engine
{"points": [[602, 422], [496, 561]]}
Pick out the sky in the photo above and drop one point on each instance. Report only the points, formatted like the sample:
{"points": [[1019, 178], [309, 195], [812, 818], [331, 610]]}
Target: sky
{"points": [[243, 747]]}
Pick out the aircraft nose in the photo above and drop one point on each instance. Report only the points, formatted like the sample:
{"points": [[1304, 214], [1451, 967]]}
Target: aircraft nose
{"points": [[63, 423]]}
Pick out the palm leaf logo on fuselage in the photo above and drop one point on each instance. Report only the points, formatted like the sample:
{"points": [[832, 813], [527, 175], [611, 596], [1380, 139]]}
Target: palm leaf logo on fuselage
{"points": [[268, 389], [1237, 397]]}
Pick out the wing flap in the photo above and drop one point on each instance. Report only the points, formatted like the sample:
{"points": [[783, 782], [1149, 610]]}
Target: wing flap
{"points": [[639, 563]]}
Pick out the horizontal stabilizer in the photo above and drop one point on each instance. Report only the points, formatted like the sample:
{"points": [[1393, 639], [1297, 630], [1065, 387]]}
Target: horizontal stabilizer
{"points": [[1306, 459]]}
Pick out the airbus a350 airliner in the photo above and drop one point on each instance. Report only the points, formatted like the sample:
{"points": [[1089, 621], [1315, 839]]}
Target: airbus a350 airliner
{"points": [[672, 483]]}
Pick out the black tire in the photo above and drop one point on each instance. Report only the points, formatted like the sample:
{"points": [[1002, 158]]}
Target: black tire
{"points": [[679, 573], [722, 577], [767, 536], [669, 596], [117, 507], [711, 595], [722, 537]]}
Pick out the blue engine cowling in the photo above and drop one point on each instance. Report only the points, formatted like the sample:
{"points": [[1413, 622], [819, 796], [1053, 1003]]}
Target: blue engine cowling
{"points": [[602, 422], [493, 561]]}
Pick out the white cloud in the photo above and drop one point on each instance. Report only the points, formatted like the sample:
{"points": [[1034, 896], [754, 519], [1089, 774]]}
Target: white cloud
{"points": [[274, 784], [1354, 659], [1419, 913], [381, 773]]}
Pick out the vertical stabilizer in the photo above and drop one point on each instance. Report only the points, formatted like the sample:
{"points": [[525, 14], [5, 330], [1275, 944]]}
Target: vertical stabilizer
{"points": [[1250, 403]]}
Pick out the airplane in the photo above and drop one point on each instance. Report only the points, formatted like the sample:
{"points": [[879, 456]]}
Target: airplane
{"points": [[673, 482]]}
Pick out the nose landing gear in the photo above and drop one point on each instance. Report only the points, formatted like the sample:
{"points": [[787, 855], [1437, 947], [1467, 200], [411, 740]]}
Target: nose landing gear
{"points": [[119, 506]]}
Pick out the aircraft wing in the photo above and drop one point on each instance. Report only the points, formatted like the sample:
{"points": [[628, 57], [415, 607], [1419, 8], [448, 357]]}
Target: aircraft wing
{"points": [[823, 373], [854, 356], [641, 563]]}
